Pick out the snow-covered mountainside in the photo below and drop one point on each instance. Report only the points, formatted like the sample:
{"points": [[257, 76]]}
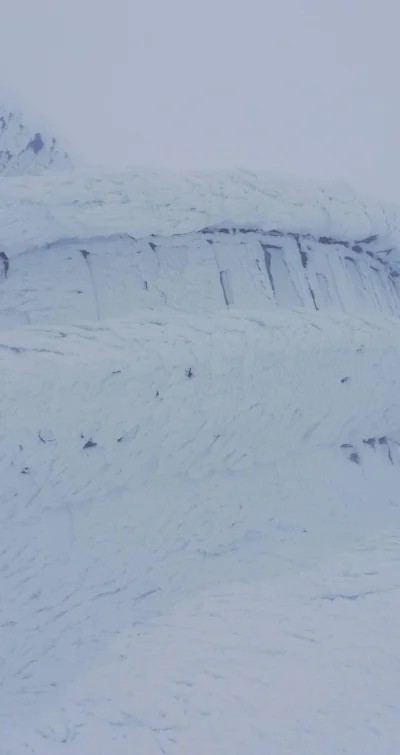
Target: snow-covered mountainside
{"points": [[200, 467], [25, 148]]}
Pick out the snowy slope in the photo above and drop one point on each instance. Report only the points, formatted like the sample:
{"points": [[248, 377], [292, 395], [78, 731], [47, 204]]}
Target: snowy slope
{"points": [[25, 148], [44, 209], [302, 665], [200, 468]]}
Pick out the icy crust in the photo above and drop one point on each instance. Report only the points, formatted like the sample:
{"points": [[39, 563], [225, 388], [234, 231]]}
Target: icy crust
{"points": [[35, 211]]}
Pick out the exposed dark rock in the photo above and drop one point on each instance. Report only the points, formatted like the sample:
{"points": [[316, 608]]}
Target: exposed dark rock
{"points": [[368, 240], [5, 155], [217, 230], [36, 144], [328, 240]]}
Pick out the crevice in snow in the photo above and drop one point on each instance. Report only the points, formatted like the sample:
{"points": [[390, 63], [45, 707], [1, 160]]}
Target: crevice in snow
{"points": [[304, 262], [6, 264], [267, 260], [86, 256], [224, 278]]}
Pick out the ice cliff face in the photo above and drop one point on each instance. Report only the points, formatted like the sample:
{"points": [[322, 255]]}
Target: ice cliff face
{"points": [[94, 247], [25, 148], [201, 272]]}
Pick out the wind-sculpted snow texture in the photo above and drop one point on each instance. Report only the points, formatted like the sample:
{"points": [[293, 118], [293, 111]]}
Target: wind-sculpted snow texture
{"points": [[200, 469], [25, 148]]}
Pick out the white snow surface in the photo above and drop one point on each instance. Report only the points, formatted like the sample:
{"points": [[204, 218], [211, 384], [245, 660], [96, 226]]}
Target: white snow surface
{"points": [[44, 209], [199, 465]]}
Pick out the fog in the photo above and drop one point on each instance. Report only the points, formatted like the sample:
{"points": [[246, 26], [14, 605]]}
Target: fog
{"points": [[307, 87]]}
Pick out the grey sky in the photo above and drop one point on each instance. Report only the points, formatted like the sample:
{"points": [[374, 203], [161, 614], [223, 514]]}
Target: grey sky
{"points": [[309, 87]]}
